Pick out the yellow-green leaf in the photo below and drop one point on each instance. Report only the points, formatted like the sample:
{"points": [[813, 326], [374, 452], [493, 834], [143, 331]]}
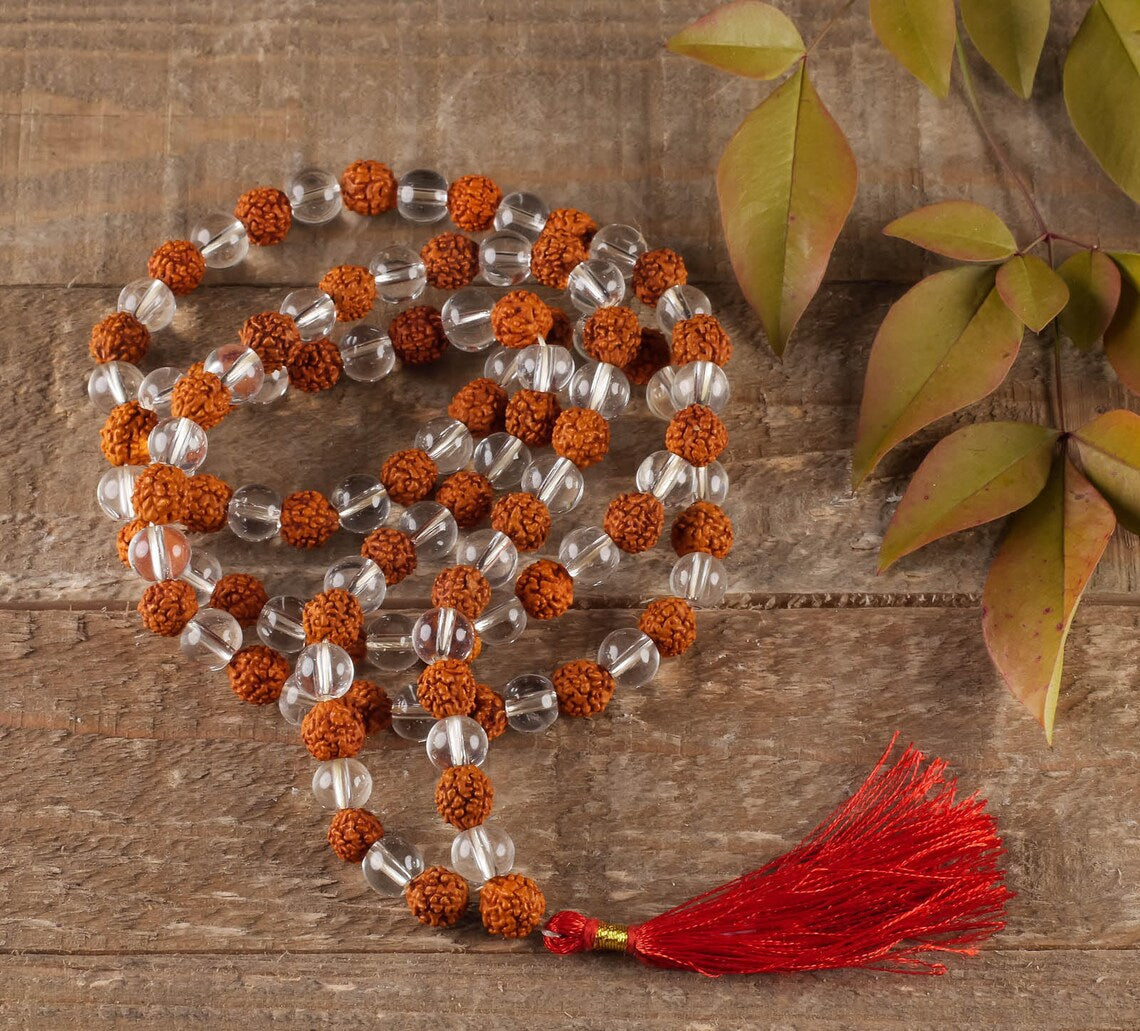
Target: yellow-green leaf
{"points": [[1094, 291], [1036, 582], [959, 229], [1102, 88], [786, 183], [1122, 338], [920, 34], [1031, 290], [980, 473], [946, 343], [1009, 34], [745, 38], [1109, 449]]}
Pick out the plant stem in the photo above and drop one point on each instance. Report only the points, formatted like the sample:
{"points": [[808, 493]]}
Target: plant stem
{"points": [[827, 27], [1083, 244], [1058, 381]]}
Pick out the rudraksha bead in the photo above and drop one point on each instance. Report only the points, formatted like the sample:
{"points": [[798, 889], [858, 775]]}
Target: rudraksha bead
{"points": [[353, 832], [368, 188], [463, 588], [612, 334], [511, 905], [371, 703], [573, 222], [119, 337], [480, 405], [353, 290], [179, 264], [307, 519], [451, 260], [468, 496], [266, 215], [331, 730], [201, 397], [531, 415], [670, 624], [656, 271], [472, 201], [204, 503], [446, 688], [123, 539], [271, 335], [438, 897], [697, 435], [124, 434], [417, 335], [464, 796], [581, 435], [257, 674], [545, 589], [393, 551], [334, 615], [701, 339], [314, 365], [408, 476], [524, 518], [519, 318], [490, 711], [702, 527], [241, 595], [652, 355], [561, 329], [583, 687], [553, 256], [634, 521], [159, 493], [167, 606]]}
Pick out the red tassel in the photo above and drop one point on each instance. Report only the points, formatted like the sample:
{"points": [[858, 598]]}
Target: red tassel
{"points": [[900, 871]]}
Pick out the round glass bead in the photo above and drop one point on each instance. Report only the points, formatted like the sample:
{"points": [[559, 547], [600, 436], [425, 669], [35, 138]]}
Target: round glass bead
{"points": [[281, 624], [116, 489], [312, 310], [700, 383], [361, 577], [602, 387], [544, 367], [293, 704], [399, 273], [202, 572], [659, 392], [579, 335], [630, 656], [589, 555], [239, 368], [700, 578], [221, 239], [324, 671], [456, 741], [274, 385], [361, 503], [443, 633], [179, 442], [211, 638], [531, 703], [341, 784], [482, 852], [390, 864], [254, 512], [668, 477], [679, 303], [448, 442], [367, 354], [501, 622], [522, 213], [504, 258], [156, 388], [150, 301], [421, 196], [619, 244], [159, 553], [502, 365], [492, 553], [502, 458], [410, 720], [555, 481], [466, 318], [113, 383], [710, 483], [432, 529], [389, 642], [314, 196], [595, 283]]}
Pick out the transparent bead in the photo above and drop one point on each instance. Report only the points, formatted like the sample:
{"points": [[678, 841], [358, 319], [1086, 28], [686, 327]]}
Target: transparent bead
{"points": [[502, 458], [324, 671], [281, 624], [361, 502], [113, 383], [239, 368], [202, 572], [314, 196], [211, 638], [150, 301], [630, 656], [668, 477], [274, 386], [432, 529], [544, 367], [482, 852], [501, 622], [421, 196], [159, 553], [595, 283], [602, 387], [448, 442], [502, 365], [341, 784], [522, 213], [466, 317], [399, 273], [456, 741], [410, 720], [700, 578], [504, 259], [531, 703], [116, 489], [367, 354], [679, 303], [701, 383], [389, 642], [619, 244], [390, 864], [179, 442], [556, 481], [293, 704], [492, 553], [589, 555], [443, 633], [156, 388], [579, 334], [659, 392], [710, 483], [221, 239], [361, 577], [254, 512], [313, 311]]}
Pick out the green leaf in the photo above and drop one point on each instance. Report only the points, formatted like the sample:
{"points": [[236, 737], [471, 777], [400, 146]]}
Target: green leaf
{"points": [[981, 472], [1036, 582], [959, 229], [1031, 290], [1109, 449], [1010, 35], [1102, 88], [1122, 338], [1094, 291], [920, 34], [786, 183], [946, 343], [745, 38]]}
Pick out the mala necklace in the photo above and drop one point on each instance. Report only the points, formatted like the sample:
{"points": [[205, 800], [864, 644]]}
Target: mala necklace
{"points": [[155, 437]]}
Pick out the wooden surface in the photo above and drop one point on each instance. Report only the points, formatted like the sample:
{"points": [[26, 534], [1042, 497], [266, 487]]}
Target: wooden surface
{"points": [[161, 861]]}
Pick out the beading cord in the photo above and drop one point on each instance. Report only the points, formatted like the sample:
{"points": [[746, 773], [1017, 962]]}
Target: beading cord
{"points": [[157, 444]]}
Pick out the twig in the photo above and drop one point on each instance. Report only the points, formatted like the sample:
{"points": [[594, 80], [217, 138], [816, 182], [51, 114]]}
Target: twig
{"points": [[827, 28]]}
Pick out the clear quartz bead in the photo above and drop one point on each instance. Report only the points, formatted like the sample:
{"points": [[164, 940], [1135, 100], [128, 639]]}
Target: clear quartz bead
{"points": [[668, 477], [504, 258], [492, 553], [619, 244], [701, 383], [390, 643], [312, 310], [113, 383], [501, 622], [361, 503], [531, 703], [367, 354], [274, 386], [522, 213], [544, 367], [421, 195], [211, 638], [399, 273], [502, 365], [443, 633], [659, 392], [221, 239], [324, 671], [150, 301], [679, 303], [410, 720], [280, 624], [159, 553], [202, 572], [116, 490], [341, 784], [466, 318], [293, 704], [482, 852], [254, 512], [579, 334], [361, 577], [700, 578], [431, 527], [179, 442], [314, 196], [595, 283], [556, 481], [239, 368], [630, 656], [589, 556], [710, 483], [156, 389], [502, 458], [447, 442], [602, 387], [390, 864], [456, 741]]}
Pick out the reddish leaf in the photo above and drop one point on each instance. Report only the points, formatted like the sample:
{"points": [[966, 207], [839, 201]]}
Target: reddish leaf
{"points": [[1094, 291], [1122, 338], [920, 34], [745, 38], [959, 229], [1109, 448], [1031, 290]]}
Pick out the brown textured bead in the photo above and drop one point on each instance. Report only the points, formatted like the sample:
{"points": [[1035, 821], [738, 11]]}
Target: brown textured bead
{"points": [[368, 188], [553, 256], [700, 339], [524, 518], [561, 330], [464, 796], [463, 588], [314, 365], [476, 648], [123, 538], [511, 905], [583, 687], [471, 202], [393, 551], [257, 674], [204, 503], [123, 436], [446, 688], [702, 526], [353, 290], [581, 435], [417, 335], [179, 264], [438, 897], [371, 703], [531, 415], [241, 595], [468, 496], [331, 730], [655, 272], [490, 711], [167, 606], [480, 405], [634, 521], [358, 650], [159, 493], [573, 222], [266, 215], [119, 337], [670, 624], [612, 334], [334, 615], [652, 355], [697, 435], [353, 832], [451, 260], [408, 476], [271, 335], [545, 589], [519, 318], [201, 397], [307, 519]]}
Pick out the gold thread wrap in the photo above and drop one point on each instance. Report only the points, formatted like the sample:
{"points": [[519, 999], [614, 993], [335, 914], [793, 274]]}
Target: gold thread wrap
{"points": [[611, 938]]}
